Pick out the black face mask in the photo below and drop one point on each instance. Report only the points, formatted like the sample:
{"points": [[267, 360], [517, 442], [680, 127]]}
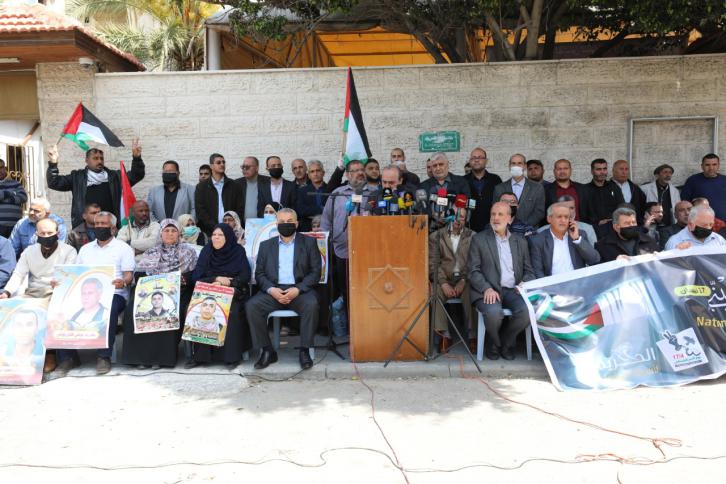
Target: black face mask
{"points": [[275, 172], [630, 233], [169, 178], [103, 233], [286, 229], [48, 242], [701, 232]]}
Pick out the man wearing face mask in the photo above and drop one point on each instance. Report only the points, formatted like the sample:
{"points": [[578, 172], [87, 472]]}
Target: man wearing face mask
{"points": [[530, 195], [625, 239], [276, 189], [698, 232], [287, 271], [398, 158], [173, 198], [95, 183]]}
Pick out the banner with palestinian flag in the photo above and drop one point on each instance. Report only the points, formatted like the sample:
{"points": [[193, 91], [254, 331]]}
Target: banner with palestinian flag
{"points": [[356, 141], [654, 320], [84, 126], [127, 198]]}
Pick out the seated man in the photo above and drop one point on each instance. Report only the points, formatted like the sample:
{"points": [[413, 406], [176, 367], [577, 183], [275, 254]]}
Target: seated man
{"points": [[498, 262], [24, 232], [562, 248], [83, 233], [517, 226], [142, 233], [7, 261], [653, 220], [718, 224], [625, 238], [585, 228], [287, 270], [681, 212], [449, 251], [105, 250], [698, 232]]}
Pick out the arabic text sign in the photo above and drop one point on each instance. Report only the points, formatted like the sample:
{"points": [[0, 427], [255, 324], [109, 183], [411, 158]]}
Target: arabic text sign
{"points": [[655, 320], [22, 335], [156, 303], [79, 310], [445, 141]]}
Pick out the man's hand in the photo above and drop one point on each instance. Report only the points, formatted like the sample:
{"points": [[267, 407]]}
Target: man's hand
{"points": [[54, 283], [648, 221], [574, 230], [341, 165], [289, 294], [118, 283], [277, 293], [223, 281], [683, 245], [448, 290], [53, 154], [4, 295], [136, 148], [459, 288], [622, 257], [491, 296]]}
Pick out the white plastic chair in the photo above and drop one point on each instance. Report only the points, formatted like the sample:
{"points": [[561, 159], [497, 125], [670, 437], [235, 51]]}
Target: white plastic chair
{"points": [[482, 330], [276, 317]]}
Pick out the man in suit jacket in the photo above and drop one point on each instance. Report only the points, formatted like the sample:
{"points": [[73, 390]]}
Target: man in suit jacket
{"points": [[216, 195], [562, 248], [287, 270], [632, 193], [481, 184], [449, 252], [442, 179], [564, 185], [498, 262], [275, 188], [173, 198], [249, 187], [530, 194]]}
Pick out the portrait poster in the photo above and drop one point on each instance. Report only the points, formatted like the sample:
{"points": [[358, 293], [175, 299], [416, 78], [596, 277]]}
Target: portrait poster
{"points": [[257, 230], [80, 308], [322, 239], [208, 314], [156, 303], [22, 340]]}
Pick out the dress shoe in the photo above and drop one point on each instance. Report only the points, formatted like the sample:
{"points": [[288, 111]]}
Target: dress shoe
{"points": [[507, 354], [50, 363], [231, 366], [64, 367], [103, 365], [492, 352], [266, 359], [305, 361], [189, 364]]}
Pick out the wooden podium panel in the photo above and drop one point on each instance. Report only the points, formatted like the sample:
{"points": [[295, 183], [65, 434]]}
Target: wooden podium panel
{"points": [[388, 286]]}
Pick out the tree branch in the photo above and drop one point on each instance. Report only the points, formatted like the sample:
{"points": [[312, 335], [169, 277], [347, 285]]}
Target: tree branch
{"points": [[499, 35]]}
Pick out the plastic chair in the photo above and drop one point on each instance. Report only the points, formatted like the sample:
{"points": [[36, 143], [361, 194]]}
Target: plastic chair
{"points": [[276, 317], [482, 330]]}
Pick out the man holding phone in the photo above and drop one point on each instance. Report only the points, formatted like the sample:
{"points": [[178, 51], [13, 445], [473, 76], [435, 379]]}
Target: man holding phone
{"points": [[562, 248]]}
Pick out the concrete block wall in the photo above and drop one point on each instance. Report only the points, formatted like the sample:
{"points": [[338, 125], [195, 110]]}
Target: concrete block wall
{"points": [[576, 109]]}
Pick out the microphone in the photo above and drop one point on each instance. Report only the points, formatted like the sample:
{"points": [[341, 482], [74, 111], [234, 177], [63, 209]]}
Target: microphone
{"points": [[471, 206], [357, 199], [421, 199], [387, 197]]}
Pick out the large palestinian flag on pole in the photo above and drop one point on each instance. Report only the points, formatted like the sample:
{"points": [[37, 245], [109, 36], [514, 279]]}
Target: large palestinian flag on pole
{"points": [[356, 141], [84, 126], [127, 198]]}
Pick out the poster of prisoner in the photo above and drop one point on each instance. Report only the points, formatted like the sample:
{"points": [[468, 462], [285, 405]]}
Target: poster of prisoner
{"points": [[22, 340], [79, 309], [156, 303], [208, 314], [655, 320]]}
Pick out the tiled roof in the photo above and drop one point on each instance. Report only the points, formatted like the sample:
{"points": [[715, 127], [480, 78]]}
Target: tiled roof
{"points": [[38, 18]]}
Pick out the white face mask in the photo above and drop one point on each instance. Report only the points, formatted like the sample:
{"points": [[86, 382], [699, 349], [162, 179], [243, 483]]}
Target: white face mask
{"points": [[516, 171], [269, 216]]}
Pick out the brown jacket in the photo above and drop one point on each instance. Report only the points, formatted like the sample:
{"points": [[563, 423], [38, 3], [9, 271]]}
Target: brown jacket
{"points": [[445, 257]]}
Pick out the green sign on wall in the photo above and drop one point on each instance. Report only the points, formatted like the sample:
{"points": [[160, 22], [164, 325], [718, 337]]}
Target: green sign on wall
{"points": [[439, 141]]}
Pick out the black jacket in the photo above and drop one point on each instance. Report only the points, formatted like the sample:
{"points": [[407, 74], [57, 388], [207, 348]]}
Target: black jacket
{"points": [[601, 202], [206, 201], [480, 216], [242, 182], [288, 197], [582, 195], [456, 185], [76, 181], [637, 200], [611, 246], [306, 263]]}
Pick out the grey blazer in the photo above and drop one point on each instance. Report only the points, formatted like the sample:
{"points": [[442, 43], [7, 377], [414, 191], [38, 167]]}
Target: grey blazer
{"points": [[541, 250], [306, 263], [531, 204], [484, 269], [184, 202]]}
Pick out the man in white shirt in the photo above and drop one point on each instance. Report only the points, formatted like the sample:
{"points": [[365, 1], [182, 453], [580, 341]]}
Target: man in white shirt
{"points": [[105, 250], [632, 193], [698, 232], [530, 195]]}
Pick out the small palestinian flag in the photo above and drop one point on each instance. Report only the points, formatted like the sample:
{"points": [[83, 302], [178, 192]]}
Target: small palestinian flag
{"points": [[127, 198], [84, 126], [356, 141]]}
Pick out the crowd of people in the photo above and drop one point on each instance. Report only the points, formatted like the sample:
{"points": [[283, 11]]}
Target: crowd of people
{"points": [[510, 231]]}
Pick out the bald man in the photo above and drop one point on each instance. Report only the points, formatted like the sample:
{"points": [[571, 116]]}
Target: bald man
{"points": [[142, 233], [632, 193]]}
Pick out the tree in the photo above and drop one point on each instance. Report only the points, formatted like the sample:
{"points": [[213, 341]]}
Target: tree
{"points": [[163, 34]]}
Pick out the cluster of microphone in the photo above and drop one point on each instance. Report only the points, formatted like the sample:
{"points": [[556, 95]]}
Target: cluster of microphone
{"points": [[445, 207]]}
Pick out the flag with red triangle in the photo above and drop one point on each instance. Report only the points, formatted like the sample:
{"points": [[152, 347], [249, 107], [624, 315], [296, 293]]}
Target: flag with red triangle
{"points": [[127, 198], [84, 126], [356, 141]]}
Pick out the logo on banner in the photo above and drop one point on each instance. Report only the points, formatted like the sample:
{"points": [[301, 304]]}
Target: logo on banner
{"points": [[682, 350]]}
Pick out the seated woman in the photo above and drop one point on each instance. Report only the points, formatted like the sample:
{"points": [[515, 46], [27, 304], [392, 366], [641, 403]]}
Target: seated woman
{"points": [[170, 254], [232, 219], [270, 210], [224, 262], [191, 233]]}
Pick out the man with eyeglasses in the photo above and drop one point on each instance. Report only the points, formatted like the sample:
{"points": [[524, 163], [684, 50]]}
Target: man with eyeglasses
{"points": [[249, 183], [481, 183], [217, 195]]}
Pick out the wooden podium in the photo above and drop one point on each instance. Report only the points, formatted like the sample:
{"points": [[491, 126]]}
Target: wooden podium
{"points": [[388, 286]]}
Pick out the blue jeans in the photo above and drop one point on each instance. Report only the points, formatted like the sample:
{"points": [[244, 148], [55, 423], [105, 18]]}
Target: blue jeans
{"points": [[117, 307]]}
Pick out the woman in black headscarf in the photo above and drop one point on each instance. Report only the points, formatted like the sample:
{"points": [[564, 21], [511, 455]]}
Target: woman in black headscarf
{"points": [[223, 261]]}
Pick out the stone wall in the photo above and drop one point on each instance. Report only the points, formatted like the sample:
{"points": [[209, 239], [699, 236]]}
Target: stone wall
{"points": [[577, 109]]}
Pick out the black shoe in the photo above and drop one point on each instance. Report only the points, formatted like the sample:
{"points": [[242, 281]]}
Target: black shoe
{"points": [[492, 352], [305, 361], [266, 359], [190, 364], [507, 354]]}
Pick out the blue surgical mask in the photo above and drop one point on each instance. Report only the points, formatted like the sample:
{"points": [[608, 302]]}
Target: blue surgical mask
{"points": [[190, 231], [269, 216]]}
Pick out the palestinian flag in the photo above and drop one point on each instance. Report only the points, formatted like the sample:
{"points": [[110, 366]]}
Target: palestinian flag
{"points": [[127, 198], [84, 126], [356, 141]]}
